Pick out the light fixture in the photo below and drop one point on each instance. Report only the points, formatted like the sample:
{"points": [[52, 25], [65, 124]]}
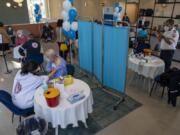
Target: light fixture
{"points": [[85, 4], [8, 4], [14, 6], [20, 4], [18, 1], [164, 5]]}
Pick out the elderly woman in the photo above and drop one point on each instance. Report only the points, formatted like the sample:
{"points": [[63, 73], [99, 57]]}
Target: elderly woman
{"points": [[21, 38], [56, 66]]}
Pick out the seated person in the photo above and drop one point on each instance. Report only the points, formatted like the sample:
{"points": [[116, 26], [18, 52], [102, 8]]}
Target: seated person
{"points": [[21, 38], [47, 32], [56, 66], [4, 38], [141, 42], [12, 34], [25, 84], [31, 50]]}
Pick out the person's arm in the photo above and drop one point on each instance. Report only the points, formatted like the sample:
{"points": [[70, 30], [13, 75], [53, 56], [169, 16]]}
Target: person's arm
{"points": [[49, 66], [166, 39], [51, 74]]}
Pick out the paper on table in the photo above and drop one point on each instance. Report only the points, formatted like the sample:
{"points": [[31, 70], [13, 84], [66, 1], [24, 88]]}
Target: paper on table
{"points": [[62, 90]]}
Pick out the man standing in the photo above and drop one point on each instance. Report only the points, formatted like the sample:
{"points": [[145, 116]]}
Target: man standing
{"points": [[169, 40]]}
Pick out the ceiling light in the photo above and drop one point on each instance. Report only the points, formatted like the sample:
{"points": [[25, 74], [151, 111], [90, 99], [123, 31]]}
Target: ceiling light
{"points": [[20, 4], [14, 6], [8, 4], [18, 1]]}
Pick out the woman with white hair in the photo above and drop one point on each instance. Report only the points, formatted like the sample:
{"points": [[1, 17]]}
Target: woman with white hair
{"points": [[21, 38], [56, 66]]}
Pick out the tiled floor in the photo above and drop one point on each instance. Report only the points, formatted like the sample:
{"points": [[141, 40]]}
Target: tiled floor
{"points": [[155, 117]]}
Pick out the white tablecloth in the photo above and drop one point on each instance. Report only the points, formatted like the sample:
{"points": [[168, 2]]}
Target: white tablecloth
{"points": [[65, 113], [154, 67]]}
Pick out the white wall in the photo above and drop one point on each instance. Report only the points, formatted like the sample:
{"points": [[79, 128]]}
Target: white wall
{"points": [[93, 9]]}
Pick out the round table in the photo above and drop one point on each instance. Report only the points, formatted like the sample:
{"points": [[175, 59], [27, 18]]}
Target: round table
{"points": [[155, 66], [65, 113]]}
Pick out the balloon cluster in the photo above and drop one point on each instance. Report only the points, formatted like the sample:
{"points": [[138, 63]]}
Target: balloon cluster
{"points": [[37, 12], [117, 13], [69, 14]]}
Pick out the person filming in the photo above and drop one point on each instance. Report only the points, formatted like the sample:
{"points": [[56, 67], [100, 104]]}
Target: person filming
{"points": [[169, 40]]}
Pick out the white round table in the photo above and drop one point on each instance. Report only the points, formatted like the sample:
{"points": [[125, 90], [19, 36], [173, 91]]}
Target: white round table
{"points": [[155, 66], [65, 113]]}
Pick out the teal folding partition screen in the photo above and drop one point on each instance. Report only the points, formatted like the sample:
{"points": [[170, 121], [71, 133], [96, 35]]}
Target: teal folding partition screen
{"points": [[85, 45], [115, 57], [97, 51]]}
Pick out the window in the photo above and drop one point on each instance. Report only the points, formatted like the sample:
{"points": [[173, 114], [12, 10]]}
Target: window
{"points": [[43, 6]]}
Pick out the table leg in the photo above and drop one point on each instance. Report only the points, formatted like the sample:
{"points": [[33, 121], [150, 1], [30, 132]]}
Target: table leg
{"points": [[132, 77], [85, 124], [149, 84], [56, 130]]}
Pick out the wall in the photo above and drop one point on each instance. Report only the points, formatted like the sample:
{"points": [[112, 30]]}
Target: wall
{"points": [[13, 16], [161, 11], [93, 9]]}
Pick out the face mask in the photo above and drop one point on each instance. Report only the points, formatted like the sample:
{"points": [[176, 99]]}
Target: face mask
{"points": [[47, 59], [166, 28], [19, 35]]}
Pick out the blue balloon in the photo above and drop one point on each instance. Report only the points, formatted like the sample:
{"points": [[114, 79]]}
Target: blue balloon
{"points": [[37, 6], [120, 8], [72, 15], [37, 19], [65, 33], [142, 34], [71, 34], [36, 11], [71, 1], [40, 16]]}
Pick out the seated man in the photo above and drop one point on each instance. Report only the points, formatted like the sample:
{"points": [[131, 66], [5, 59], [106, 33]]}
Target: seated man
{"points": [[25, 84], [56, 66]]}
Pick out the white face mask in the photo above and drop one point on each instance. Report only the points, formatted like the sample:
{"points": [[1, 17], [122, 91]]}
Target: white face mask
{"points": [[47, 59], [166, 28]]}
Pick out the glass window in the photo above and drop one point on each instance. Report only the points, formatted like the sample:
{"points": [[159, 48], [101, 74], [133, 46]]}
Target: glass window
{"points": [[31, 8]]}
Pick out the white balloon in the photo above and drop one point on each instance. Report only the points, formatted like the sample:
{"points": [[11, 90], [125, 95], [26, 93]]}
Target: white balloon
{"points": [[119, 17], [115, 14], [67, 5], [66, 26], [74, 26], [116, 9], [65, 15]]}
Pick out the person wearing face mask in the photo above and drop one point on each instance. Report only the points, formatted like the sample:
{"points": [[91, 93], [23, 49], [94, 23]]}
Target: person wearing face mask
{"points": [[21, 38], [47, 32], [169, 40], [12, 35], [56, 66], [25, 84]]}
